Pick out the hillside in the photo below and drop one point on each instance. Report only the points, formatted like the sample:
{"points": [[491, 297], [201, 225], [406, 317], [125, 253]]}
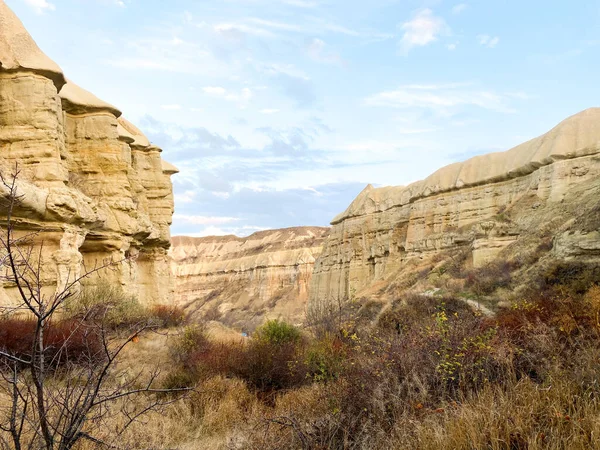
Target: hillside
{"points": [[242, 281]]}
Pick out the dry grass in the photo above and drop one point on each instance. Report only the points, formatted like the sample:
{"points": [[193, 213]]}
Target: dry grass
{"points": [[426, 373]]}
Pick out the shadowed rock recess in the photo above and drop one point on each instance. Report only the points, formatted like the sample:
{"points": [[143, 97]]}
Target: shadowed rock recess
{"points": [[91, 183]]}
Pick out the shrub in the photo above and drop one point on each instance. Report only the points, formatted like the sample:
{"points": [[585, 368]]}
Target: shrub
{"points": [[107, 304], [571, 278], [68, 341], [492, 276], [167, 316], [325, 359], [277, 332], [190, 342]]}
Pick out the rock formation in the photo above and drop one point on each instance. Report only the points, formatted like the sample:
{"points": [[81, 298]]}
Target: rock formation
{"points": [[463, 205], [242, 281], [92, 185]]}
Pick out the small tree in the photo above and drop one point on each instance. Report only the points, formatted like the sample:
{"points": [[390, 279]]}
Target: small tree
{"points": [[50, 397]]}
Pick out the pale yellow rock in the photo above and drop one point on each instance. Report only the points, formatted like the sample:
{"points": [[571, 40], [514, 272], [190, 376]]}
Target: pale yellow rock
{"points": [[243, 281], [18, 50], [76, 100], [93, 187], [140, 140], [459, 206]]}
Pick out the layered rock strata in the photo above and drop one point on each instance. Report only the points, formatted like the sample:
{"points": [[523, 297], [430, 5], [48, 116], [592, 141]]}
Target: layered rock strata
{"points": [[242, 281], [92, 186], [461, 205]]}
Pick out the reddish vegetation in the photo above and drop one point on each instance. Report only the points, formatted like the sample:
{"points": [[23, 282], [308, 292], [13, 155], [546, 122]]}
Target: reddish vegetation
{"points": [[68, 341]]}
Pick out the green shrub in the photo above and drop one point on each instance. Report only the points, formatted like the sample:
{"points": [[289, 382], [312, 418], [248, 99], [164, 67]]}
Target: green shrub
{"points": [[278, 333], [325, 358], [192, 340]]}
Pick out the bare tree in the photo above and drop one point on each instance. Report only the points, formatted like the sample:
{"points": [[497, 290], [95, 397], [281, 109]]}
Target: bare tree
{"points": [[63, 386]]}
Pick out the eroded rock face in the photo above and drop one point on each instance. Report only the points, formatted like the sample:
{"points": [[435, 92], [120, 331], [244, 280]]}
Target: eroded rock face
{"points": [[461, 205], [92, 186], [242, 281]]}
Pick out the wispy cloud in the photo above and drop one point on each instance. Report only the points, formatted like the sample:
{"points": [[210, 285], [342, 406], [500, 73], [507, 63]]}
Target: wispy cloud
{"points": [[457, 9], [317, 50], [242, 97], [442, 98], [40, 6], [171, 107], [423, 29], [488, 41], [301, 3], [203, 220], [293, 82]]}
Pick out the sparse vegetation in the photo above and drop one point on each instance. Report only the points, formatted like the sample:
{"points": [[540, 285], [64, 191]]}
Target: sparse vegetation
{"points": [[423, 371], [429, 373]]}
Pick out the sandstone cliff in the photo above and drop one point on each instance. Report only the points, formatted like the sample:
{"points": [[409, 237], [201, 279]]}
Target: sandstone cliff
{"points": [[92, 185], [464, 205], [242, 281]]}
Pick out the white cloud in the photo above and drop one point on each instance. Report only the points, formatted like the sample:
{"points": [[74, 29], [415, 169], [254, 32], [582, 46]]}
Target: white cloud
{"points": [[316, 50], [39, 6], [269, 111], [214, 90], [488, 41], [451, 47], [171, 107], [300, 3], [203, 220], [278, 25], [442, 98], [459, 8], [217, 91], [186, 197], [120, 3], [423, 29], [228, 28]]}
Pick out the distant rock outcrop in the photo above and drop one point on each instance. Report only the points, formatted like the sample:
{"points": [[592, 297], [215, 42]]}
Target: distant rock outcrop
{"points": [[93, 186], [242, 281], [464, 205]]}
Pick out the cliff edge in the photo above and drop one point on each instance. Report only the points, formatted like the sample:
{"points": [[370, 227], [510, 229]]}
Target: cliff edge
{"points": [[93, 187]]}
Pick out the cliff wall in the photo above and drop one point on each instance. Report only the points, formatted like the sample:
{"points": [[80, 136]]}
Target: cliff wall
{"points": [[242, 281], [460, 206], [93, 187]]}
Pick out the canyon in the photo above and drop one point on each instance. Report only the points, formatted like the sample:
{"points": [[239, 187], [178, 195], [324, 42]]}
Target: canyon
{"points": [[243, 281], [484, 206], [92, 189]]}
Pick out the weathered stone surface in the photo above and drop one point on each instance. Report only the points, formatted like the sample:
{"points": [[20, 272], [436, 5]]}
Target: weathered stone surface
{"points": [[19, 52], [461, 205], [242, 281], [92, 186]]}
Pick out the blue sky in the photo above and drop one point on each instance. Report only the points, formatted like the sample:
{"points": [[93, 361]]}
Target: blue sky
{"points": [[278, 112]]}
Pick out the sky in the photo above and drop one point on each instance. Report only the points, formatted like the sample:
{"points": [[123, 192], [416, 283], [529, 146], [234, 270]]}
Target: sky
{"points": [[279, 112]]}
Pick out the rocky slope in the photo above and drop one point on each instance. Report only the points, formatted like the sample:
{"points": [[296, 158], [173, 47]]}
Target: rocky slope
{"points": [[482, 205], [92, 186], [242, 281]]}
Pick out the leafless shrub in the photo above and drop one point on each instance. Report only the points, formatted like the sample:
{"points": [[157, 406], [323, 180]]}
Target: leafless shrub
{"points": [[54, 393]]}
